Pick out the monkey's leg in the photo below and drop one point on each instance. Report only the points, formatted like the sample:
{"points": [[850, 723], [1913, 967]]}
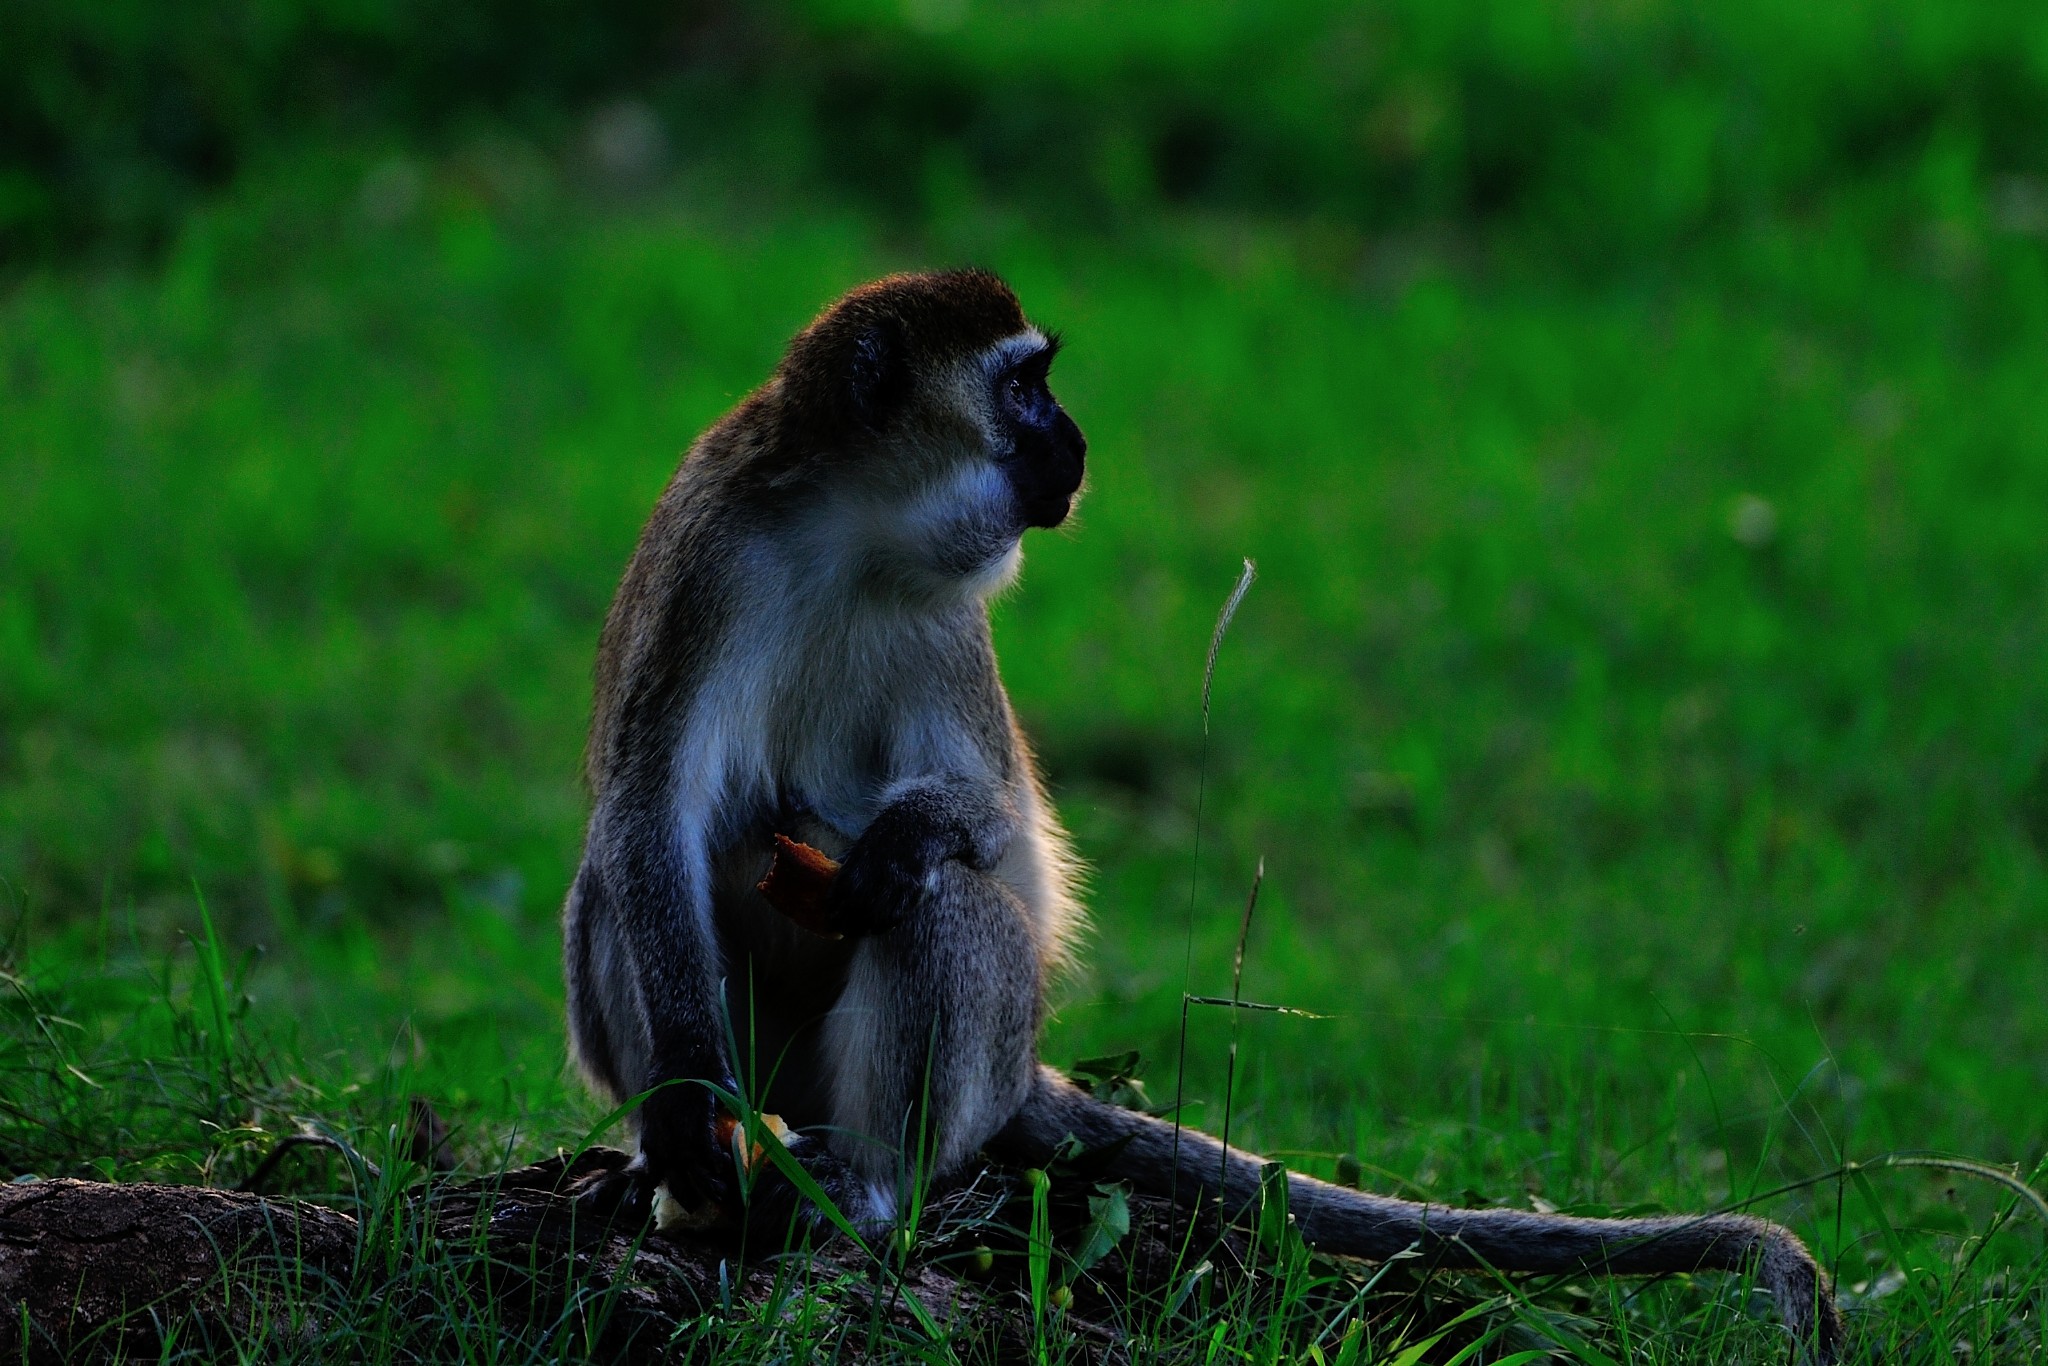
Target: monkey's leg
{"points": [[931, 1046], [1158, 1158]]}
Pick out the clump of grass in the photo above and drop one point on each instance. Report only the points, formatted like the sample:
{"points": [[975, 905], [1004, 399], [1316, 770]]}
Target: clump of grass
{"points": [[140, 1069]]}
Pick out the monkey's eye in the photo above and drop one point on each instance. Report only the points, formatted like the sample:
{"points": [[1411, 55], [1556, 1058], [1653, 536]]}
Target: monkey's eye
{"points": [[1024, 391]]}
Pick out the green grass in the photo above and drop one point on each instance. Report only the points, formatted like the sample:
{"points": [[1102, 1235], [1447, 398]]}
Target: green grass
{"points": [[1640, 711]]}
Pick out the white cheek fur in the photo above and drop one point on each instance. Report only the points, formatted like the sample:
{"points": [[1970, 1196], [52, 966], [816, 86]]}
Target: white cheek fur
{"points": [[964, 527]]}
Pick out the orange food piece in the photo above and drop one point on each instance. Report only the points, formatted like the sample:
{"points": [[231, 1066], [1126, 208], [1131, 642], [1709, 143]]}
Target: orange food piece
{"points": [[799, 883], [728, 1128]]}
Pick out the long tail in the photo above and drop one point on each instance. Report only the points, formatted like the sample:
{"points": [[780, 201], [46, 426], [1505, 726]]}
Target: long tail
{"points": [[1376, 1227]]}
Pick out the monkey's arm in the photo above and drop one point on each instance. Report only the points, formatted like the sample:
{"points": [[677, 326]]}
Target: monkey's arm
{"points": [[1161, 1159], [644, 963]]}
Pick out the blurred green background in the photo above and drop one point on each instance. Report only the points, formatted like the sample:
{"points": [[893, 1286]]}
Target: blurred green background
{"points": [[1638, 413]]}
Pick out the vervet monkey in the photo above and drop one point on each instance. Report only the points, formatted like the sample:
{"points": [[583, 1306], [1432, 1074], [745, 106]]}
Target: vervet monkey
{"points": [[801, 647]]}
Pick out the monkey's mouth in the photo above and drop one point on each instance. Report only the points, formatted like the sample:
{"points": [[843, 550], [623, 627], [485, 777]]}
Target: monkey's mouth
{"points": [[1048, 509], [1048, 503]]}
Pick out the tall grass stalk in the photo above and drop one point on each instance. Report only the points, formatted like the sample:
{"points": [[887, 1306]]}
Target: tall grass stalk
{"points": [[1244, 931], [1223, 620]]}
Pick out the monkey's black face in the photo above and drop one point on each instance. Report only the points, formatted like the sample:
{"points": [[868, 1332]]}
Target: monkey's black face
{"points": [[1047, 450]]}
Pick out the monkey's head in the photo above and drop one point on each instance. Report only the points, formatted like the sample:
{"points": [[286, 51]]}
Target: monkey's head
{"points": [[923, 401]]}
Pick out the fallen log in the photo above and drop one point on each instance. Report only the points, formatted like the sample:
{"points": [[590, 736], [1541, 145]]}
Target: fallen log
{"points": [[89, 1269], [92, 1271]]}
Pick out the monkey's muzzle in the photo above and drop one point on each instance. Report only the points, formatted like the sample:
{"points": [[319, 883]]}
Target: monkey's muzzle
{"points": [[1052, 480]]}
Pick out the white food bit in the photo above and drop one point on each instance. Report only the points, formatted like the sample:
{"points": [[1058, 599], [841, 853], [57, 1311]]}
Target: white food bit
{"points": [[670, 1215]]}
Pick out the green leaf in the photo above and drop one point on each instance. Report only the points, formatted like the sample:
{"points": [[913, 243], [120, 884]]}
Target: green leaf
{"points": [[1109, 1222], [1411, 1355]]}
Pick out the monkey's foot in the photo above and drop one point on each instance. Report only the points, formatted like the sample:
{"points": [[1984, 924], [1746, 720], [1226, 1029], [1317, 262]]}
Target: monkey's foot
{"points": [[778, 1213], [622, 1195]]}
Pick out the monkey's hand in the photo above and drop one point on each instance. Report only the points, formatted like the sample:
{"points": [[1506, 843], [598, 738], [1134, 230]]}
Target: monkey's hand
{"points": [[887, 872], [682, 1148]]}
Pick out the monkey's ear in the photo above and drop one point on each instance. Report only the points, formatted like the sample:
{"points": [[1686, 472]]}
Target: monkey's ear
{"points": [[877, 373]]}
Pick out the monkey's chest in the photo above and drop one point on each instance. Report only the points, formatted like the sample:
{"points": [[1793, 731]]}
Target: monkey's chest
{"points": [[827, 789], [845, 729], [818, 722]]}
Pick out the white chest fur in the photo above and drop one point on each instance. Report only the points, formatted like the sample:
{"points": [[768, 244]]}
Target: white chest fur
{"points": [[826, 694]]}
